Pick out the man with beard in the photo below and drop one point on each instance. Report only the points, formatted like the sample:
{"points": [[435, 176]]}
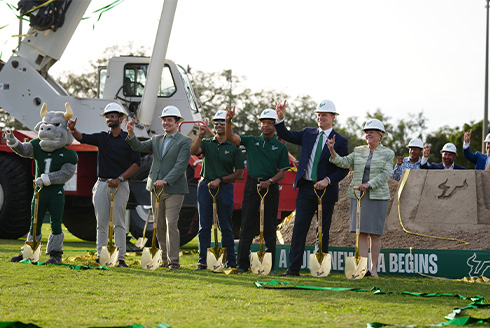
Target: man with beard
{"points": [[480, 160], [267, 162], [415, 148], [222, 165], [116, 163], [449, 155]]}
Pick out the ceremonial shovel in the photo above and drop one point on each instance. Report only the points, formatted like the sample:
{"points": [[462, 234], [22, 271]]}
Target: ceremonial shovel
{"points": [[261, 262], [216, 256], [141, 242], [151, 258], [110, 253], [32, 249], [320, 263], [356, 266]]}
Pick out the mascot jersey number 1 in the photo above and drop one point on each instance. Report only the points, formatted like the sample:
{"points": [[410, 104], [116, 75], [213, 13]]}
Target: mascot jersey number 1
{"points": [[55, 165]]}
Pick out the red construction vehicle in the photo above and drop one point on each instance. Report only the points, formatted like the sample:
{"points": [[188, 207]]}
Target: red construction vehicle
{"points": [[143, 85]]}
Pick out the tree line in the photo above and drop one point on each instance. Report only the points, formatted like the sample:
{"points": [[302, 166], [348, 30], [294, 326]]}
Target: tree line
{"points": [[218, 90]]}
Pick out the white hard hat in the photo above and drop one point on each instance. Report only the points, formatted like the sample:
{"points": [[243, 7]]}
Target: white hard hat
{"points": [[220, 115], [416, 142], [326, 106], [113, 107], [374, 124], [171, 111], [268, 114], [487, 139], [450, 148]]}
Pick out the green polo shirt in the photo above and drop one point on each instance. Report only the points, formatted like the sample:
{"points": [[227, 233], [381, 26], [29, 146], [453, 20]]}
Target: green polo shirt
{"points": [[265, 156], [219, 159]]}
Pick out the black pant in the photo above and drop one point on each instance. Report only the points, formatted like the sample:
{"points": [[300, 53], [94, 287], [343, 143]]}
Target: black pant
{"points": [[251, 220], [306, 205]]}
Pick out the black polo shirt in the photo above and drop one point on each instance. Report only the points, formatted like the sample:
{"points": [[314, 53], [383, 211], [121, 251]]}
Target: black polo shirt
{"points": [[115, 155]]}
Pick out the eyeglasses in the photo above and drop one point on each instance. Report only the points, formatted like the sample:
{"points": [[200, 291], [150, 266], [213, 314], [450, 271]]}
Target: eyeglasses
{"points": [[111, 116], [219, 122]]}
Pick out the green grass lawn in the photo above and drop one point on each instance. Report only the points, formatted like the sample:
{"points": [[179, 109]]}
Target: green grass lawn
{"points": [[57, 296]]}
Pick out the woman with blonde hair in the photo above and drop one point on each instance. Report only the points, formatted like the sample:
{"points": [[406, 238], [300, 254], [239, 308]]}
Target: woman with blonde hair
{"points": [[372, 165]]}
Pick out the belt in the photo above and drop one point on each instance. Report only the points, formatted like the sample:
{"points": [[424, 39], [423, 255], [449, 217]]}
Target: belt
{"points": [[257, 179], [107, 179], [306, 180]]}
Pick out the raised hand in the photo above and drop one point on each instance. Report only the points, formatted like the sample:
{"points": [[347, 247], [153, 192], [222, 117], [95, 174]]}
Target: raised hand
{"points": [[280, 109], [399, 160], [467, 136], [229, 114], [203, 128], [426, 151], [71, 123], [331, 143], [130, 126], [9, 135]]}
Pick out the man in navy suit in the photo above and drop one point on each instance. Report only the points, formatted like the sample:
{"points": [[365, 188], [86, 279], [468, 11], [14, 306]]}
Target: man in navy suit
{"points": [[314, 172], [480, 160], [449, 155]]}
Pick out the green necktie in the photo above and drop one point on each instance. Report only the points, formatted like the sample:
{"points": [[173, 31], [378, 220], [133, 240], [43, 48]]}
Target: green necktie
{"points": [[318, 154]]}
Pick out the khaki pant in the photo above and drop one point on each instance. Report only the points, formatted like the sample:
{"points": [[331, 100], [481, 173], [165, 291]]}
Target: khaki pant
{"points": [[167, 226], [102, 205]]}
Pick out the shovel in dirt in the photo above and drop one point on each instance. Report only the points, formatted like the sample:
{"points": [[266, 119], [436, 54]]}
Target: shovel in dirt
{"points": [[356, 266], [32, 249], [320, 263], [151, 258], [261, 262], [141, 242], [109, 254], [216, 256]]}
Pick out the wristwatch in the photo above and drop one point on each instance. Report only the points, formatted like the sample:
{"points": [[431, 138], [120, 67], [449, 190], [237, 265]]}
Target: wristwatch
{"points": [[271, 181], [121, 178]]}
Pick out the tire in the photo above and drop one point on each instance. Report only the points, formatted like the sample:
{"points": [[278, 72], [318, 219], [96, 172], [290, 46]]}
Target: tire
{"points": [[15, 196], [79, 217], [188, 218]]}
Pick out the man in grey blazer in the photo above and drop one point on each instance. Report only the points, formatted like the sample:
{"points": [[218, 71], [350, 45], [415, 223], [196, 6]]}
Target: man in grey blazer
{"points": [[171, 154]]}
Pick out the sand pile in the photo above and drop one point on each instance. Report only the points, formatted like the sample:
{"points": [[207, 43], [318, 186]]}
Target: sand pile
{"points": [[394, 236]]}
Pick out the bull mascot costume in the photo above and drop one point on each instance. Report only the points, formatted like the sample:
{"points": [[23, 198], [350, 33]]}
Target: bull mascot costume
{"points": [[55, 165]]}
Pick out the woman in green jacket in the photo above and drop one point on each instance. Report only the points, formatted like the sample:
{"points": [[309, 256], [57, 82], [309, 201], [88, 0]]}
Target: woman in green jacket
{"points": [[372, 165]]}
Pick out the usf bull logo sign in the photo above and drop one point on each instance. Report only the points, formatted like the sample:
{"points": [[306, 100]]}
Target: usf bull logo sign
{"points": [[478, 266]]}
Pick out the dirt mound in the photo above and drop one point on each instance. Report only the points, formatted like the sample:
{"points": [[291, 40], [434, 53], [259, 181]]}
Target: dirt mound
{"points": [[394, 236]]}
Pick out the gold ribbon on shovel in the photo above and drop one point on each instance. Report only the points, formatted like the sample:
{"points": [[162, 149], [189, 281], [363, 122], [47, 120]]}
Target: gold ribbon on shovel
{"points": [[32, 249], [151, 258], [261, 262], [110, 253], [216, 256], [320, 263], [356, 266]]}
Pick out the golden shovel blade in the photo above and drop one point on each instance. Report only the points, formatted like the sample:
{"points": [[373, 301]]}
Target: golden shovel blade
{"points": [[151, 259], [108, 258], [32, 251], [216, 259], [355, 269], [261, 263], [141, 242], [320, 264]]}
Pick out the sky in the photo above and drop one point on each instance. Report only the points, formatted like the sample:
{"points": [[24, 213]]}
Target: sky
{"points": [[403, 57]]}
